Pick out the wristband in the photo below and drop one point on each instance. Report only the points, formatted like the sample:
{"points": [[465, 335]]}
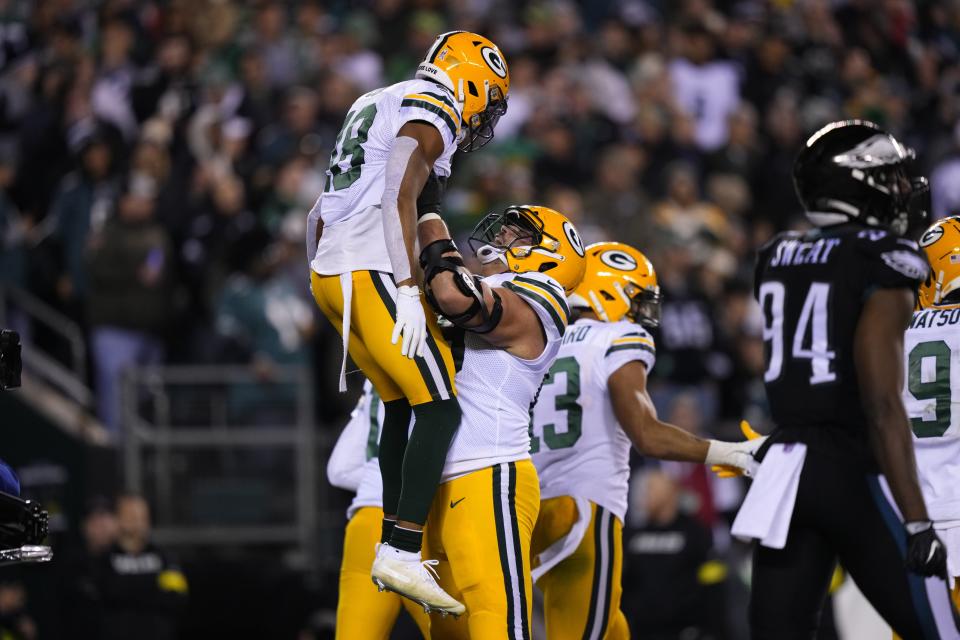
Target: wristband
{"points": [[917, 526]]}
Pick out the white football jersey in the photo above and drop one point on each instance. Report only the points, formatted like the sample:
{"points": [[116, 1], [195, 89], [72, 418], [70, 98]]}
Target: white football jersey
{"points": [[496, 389], [932, 399], [353, 463], [349, 206], [577, 444]]}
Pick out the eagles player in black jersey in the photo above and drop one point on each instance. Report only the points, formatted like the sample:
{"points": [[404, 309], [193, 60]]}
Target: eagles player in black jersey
{"points": [[836, 301]]}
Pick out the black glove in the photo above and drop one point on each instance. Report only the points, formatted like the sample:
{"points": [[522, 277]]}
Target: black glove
{"points": [[926, 555]]}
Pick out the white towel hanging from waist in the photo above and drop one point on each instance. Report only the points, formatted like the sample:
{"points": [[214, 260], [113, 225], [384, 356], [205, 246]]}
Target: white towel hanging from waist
{"points": [[565, 546], [768, 508], [346, 286]]}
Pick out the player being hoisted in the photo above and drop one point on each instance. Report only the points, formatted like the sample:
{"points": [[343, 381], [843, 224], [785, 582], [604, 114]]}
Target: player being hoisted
{"points": [[395, 146], [592, 406]]}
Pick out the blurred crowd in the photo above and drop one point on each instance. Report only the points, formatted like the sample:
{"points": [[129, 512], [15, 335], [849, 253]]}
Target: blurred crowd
{"points": [[158, 158]]}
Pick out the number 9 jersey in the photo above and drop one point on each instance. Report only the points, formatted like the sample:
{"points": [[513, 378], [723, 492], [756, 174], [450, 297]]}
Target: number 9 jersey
{"points": [[578, 446], [349, 206], [931, 396], [812, 288]]}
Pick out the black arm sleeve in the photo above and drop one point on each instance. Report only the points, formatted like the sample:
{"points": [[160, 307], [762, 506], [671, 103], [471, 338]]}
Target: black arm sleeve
{"points": [[431, 197]]}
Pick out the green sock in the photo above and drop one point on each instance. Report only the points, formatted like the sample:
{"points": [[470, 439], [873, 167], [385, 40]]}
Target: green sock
{"points": [[436, 423], [393, 445]]}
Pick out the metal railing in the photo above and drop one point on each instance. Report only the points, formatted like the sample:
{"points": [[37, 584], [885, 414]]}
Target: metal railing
{"points": [[213, 461], [69, 377]]}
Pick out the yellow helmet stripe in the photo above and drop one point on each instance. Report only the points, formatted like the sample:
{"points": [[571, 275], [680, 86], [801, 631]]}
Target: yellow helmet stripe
{"points": [[535, 296], [443, 105]]}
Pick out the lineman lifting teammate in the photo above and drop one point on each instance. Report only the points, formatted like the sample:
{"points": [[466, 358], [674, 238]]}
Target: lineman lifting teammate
{"points": [[836, 301], [360, 241], [592, 405], [931, 348], [510, 325]]}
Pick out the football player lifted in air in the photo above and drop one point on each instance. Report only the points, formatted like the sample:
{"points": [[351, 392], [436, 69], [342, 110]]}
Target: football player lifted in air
{"points": [[838, 479], [931, 348], [353, 465], [593, 404], [395, 146], [510, 322]]}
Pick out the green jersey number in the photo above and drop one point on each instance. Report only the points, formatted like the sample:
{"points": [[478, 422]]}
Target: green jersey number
{"points": [[350, 147], [373, 439], [564, 402], [937, 389]]}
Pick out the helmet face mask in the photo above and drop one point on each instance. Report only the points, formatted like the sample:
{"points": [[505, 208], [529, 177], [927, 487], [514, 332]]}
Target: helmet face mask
{"points": [[531, 238], [508, 232], [644, 305], [478, 131]]}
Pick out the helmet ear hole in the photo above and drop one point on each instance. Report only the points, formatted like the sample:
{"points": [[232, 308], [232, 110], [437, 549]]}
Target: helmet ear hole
{"points": [[546, 266], [607, 296], [472, 88]]}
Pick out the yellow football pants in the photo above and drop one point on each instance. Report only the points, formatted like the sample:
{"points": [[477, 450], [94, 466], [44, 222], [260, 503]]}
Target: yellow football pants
{"points": [[479, 528], [582, 593], [362, 611], [372, 316]]}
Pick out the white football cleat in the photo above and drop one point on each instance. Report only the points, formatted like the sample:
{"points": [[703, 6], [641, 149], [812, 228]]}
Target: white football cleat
{"points": [[406, 574]]}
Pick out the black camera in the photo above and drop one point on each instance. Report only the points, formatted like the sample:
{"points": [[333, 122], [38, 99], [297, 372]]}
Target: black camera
{"points": [[11, 365]]}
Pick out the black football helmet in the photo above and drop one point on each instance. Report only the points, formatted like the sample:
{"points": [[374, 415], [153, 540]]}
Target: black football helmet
{"points": [[854, 171]]}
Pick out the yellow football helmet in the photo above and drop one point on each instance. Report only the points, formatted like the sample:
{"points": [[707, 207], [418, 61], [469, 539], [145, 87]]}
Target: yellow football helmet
{"points": [[941, 242], [531, 238], [473, 68], [619, 283]]}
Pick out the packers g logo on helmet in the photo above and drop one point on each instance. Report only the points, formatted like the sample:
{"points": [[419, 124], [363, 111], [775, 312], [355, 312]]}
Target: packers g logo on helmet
{"points": [[474, 70], [532, 238], [619, 283], [941, 243], [619, 260]]}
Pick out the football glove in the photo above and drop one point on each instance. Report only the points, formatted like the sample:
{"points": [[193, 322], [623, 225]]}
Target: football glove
{"points": [[726, 470], [411, 322], [926, 555]]}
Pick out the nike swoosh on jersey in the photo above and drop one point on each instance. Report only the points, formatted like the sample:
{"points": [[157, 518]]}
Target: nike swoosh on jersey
{"points": [[453, 504]]}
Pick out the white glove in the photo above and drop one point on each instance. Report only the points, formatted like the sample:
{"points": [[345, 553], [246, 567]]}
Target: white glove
{"points": [[735, 454], [411, 322]]}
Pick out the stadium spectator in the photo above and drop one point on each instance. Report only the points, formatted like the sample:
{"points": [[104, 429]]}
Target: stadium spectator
{"points": [[81, 606], [143, 590], [129, 301], [15, 620]]}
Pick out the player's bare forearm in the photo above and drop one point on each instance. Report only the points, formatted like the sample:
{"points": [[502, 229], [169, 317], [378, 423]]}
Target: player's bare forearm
{"points": [[638, 418], [878, 354]]}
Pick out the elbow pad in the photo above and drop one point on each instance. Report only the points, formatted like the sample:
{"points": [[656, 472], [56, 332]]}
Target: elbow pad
{"points": [[434, 263], [431, 196]]}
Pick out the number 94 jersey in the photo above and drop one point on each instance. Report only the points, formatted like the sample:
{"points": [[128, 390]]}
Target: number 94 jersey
{"points": [[931, 396], [812, 288], [577, 444]]}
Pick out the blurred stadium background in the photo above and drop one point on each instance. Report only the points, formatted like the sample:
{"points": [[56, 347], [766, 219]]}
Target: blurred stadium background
{"points": [[158, 159]]}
